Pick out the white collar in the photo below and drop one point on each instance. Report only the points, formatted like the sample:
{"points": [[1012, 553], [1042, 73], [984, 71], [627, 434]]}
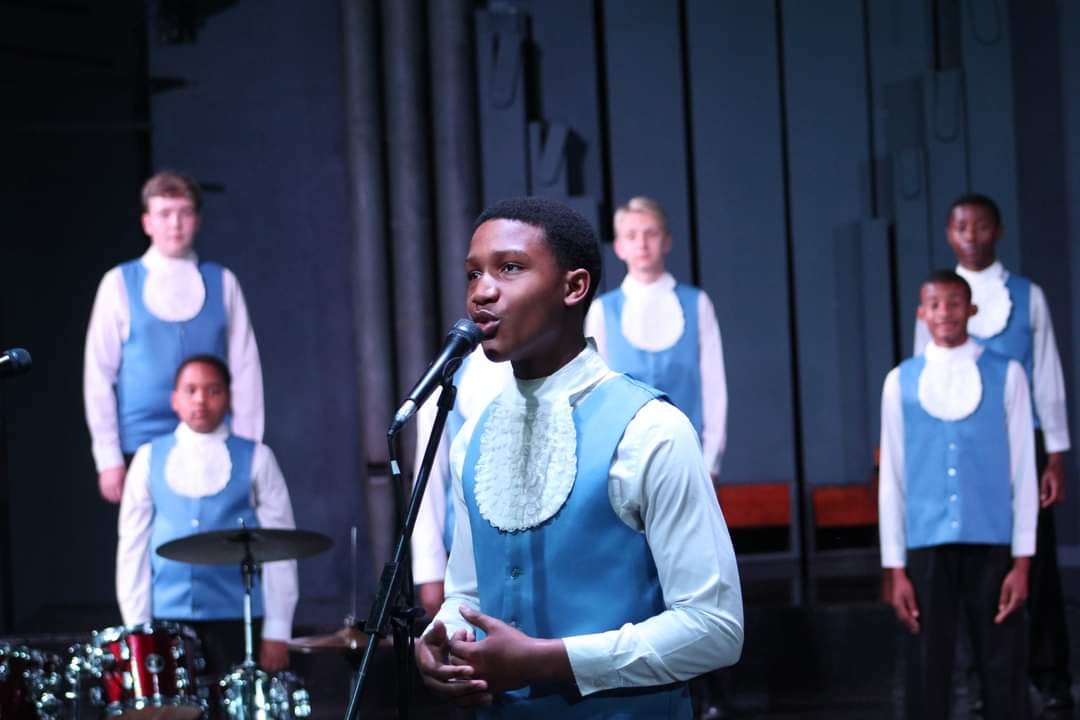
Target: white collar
{"points": [[570, 381], [633, 286], [652, 318], [185, 434], [155, 260], [200, 464], [994, 273], [950, 386], [968, 351], [990, 293]]}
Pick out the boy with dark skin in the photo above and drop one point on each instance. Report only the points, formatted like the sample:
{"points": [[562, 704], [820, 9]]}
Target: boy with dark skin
{"points": [[549, 634], [1015, 321], [958, 505]]}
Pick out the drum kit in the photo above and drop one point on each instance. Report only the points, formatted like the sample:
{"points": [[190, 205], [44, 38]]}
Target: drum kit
{"points": [[153, 671]]}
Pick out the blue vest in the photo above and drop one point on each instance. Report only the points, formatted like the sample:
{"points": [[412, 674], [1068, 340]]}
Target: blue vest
{"points": [[957, 472], [677, 370], [1016, 341], [184, 591], [583, 571], [154, 350]]}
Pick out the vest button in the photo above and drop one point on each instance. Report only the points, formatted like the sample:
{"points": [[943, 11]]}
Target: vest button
{"points": [[952, 472], [955, 524], [952, 446], [515, 573], [195, 522]]}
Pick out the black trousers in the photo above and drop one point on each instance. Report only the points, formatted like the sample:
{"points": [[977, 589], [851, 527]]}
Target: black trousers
{"points": [[948, 579], [1049, 651]]}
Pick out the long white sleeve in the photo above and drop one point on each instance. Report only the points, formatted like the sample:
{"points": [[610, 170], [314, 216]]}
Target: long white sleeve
{"points": [[273, 509], [891, 489], [426, 547], [133, 545], [1025, 486], [247, 385], [1047, 378], [105, 335], [714, 395]]}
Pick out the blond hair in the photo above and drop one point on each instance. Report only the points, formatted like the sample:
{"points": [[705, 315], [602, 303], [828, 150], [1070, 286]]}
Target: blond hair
{"points": [[642, 203]]}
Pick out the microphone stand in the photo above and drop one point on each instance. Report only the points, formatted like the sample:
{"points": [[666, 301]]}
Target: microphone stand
{"points": [[390, 600]]}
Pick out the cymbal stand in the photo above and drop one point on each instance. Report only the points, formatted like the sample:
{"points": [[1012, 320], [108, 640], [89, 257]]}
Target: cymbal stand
{"points": [[248, 569]]}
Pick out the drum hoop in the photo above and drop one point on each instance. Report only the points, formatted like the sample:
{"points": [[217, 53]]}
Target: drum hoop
{"points": [[116, 633]]}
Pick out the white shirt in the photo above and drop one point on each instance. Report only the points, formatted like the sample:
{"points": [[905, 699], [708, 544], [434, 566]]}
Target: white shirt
{"points": [[1047, 378], [173, 291], [269, 498], [891, 490], [481, 381], [650, 316], [657, 485]]}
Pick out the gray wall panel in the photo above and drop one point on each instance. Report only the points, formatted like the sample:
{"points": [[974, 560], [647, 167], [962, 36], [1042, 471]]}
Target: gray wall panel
{"points": [[742, 250], [991, 129], [646, 122], [825, 93]]}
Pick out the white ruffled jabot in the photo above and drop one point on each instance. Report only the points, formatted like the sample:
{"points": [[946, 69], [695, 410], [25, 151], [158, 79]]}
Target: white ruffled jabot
{"points": [[199, 464], [174, 289], [950, 386], [527, 465], [990, 293]]}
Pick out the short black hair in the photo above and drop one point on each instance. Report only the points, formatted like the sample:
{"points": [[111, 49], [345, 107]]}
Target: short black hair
{"points": [[571, 238], [209, 359], [946, 276], [979, 200]]}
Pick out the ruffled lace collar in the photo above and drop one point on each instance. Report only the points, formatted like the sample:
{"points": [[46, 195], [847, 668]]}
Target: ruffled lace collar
{"points": [[199, 464], [174, 289], [528, 447], [652, 318], [950, 387], [990, 293]]}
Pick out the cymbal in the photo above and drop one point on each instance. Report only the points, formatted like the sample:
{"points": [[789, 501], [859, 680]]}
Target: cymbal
{"points": [[226, 547], [347, 639]]}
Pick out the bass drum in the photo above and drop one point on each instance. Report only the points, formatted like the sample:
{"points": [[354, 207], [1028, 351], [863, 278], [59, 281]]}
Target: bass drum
{"points": [[252, 694]]}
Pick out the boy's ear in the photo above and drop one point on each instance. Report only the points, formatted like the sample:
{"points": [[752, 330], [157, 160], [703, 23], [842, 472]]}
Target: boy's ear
{"points": [[920, 313], [173, 403], [972, 309], [578, 282]]}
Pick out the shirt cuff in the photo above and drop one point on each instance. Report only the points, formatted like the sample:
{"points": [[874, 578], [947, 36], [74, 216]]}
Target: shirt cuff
{"points": [[1023, 544], [591, 664], [1056, 441], [107, 457], [893, 556], [276, 630]]}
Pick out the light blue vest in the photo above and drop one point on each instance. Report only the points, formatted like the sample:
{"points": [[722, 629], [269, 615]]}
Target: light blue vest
{"points": [[154, 350], [184, 591], [1017, 340], [957, 472], [677, 370], [583, 571]]}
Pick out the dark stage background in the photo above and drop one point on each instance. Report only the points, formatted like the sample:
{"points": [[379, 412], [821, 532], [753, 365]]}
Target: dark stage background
{"points": [[805, 151]]}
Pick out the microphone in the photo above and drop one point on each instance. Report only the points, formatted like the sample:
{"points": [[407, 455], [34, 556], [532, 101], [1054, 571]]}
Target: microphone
{"points": [[15, 361], [460, 341]]}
